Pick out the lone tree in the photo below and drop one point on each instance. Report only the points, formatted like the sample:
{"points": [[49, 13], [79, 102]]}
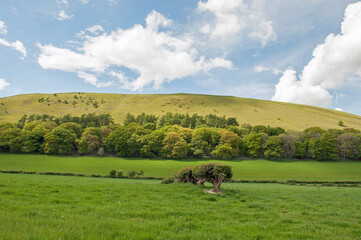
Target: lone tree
{"points": [[214, 173]]}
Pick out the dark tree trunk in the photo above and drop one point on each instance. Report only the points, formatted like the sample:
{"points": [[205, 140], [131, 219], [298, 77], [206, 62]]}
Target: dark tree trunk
{"points": [[217, 182]]}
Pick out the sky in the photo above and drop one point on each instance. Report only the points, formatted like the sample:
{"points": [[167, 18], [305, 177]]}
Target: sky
{"points": [[306, 52]]}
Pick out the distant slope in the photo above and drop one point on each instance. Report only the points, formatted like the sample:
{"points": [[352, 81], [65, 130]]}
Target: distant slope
{"points": [[286, 115]]}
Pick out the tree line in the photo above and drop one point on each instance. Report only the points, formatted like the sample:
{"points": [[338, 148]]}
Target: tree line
{"points": [[167, 137]]}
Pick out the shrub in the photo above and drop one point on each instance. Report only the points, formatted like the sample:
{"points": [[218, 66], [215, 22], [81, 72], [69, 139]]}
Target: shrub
{"points": [[214, 173], [340, 123], [121, 173], [113, 173], [168, 180], [185, 175], [132, 173]]}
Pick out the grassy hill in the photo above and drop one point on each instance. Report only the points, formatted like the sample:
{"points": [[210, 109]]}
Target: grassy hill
{"points": [[289, 116]]}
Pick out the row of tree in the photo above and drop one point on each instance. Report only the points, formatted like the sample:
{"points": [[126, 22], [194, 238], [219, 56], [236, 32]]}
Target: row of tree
{"points": [[85, 120], [175, 141], [183, 120]]}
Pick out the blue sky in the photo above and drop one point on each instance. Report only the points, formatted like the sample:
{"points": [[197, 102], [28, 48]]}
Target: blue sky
{"points": [[305, 52]]}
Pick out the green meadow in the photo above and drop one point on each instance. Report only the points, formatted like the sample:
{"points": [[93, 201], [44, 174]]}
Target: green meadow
{"points": [[59, 207], [66, 207], [242, 169]]}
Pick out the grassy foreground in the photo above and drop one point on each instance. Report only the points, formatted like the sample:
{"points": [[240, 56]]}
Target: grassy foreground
{"points": [[286, 115], [58, 207], [242, 170]]}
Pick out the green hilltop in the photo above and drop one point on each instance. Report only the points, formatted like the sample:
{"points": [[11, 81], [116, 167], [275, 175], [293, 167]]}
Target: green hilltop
{"points": [[294, 117]]}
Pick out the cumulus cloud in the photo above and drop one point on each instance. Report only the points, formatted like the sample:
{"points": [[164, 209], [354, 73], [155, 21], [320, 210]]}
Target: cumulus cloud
{"points": [[155, 56], [290, 89], [67, 60], [339, 109], [63, 16], [3, 84], [17, 45], [155, 19], [232, 19], [335, 63]]}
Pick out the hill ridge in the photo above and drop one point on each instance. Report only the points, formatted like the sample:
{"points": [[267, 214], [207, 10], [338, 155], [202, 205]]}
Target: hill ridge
{"points": [[253, 111]]}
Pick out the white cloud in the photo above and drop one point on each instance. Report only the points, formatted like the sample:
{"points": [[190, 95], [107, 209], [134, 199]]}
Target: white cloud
{"points": [[155, 19], [89, 78], [67, 60], [289, 89], [3, 84], [124, 81], [93, 31], [156, 57], [260, 68], [63, 16], [84, 1], [17, 45], [339, 109], [233, 19], [264, 32], [335, 63], [93, 80], [3, 29]]}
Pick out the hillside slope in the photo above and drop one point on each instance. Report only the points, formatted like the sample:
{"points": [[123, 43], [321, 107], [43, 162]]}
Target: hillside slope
{"points": [[286, 115]]}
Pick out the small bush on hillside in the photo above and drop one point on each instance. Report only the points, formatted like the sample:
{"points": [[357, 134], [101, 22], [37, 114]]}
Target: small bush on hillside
{"points": [[340, 123]]}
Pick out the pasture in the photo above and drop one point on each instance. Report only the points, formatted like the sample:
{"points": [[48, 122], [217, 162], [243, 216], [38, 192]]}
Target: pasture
{"points": [[59, 207], [242, 169]]}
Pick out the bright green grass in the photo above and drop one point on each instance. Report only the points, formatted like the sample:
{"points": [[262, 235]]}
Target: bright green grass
{"points": [[57, 207], [242, 170], [289, 116]]}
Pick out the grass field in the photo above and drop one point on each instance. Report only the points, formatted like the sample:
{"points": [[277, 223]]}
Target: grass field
{"points": [[289, 116], [58, 207], [242, 170]]}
